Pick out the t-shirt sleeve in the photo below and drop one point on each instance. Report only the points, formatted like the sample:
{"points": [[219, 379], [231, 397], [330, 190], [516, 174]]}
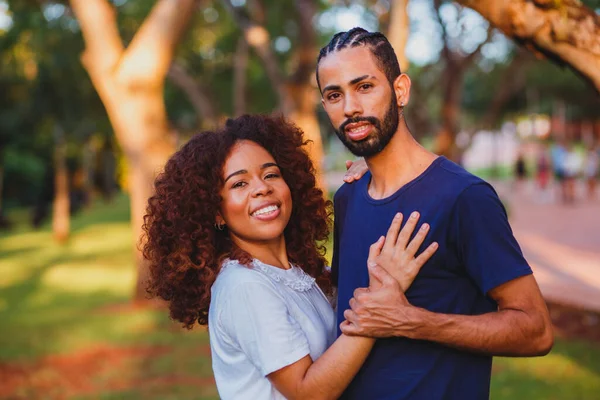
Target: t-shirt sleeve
{"points": [[485, 241], [256, 318]]}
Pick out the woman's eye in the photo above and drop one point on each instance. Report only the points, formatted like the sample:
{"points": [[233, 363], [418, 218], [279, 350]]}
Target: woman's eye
{"points": [[238, 185], [271, 175]]}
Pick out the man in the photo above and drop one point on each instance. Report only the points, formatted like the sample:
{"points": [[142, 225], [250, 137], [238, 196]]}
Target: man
{"points": [[475, 298]]}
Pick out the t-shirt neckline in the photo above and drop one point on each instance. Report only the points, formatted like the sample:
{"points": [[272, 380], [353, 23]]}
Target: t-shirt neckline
{"points": [[394, 196]]}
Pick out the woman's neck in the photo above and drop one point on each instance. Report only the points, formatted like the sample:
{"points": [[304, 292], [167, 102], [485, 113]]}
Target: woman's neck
{"points": [[272, 252]]}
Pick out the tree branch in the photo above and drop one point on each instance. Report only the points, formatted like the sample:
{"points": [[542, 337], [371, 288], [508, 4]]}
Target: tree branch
{"points": [[445, 50], [149, 55], [512, 81], [566, 32], [98, 24], [468, 59], [196, 93], [258, 38], [306, 54]]}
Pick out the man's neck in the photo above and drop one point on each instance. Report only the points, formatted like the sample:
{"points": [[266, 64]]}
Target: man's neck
{"points": [[402, 160]]}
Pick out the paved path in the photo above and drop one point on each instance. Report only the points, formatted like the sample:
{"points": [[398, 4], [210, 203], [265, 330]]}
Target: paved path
{"points": [[562, 243]]}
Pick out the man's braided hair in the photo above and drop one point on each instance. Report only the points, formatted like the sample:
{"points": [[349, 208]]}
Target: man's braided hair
{"points": [[380, 47]]}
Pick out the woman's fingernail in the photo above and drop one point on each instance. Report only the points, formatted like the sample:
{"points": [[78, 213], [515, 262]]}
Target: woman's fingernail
{"points": [[424, 227], [398, 215], [414, 215]]}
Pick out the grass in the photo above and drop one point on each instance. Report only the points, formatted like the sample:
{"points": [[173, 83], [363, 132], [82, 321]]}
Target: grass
{"points": [[72, 301]]}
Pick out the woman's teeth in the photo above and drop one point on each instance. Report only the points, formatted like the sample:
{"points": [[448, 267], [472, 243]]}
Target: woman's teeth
{"points": [[265, 210]]}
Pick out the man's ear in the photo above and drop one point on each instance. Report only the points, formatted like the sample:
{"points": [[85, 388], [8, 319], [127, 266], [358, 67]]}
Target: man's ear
{"points": [[402, 90]]}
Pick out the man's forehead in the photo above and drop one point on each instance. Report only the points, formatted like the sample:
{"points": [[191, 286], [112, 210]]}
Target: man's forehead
{"points": [[353, 61]]}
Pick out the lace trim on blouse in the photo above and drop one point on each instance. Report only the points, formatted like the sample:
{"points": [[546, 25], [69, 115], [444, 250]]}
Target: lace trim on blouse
{"points": [[294, 278]]}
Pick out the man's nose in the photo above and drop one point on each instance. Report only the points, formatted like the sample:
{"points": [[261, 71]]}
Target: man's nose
{"points": [[352, 106]]}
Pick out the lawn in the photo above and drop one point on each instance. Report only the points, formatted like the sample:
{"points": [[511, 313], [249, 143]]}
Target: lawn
{"points": [[69, 330]]}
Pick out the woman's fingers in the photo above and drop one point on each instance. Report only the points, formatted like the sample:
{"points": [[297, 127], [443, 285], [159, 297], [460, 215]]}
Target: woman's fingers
{"points": [[426, 255], [408, 230], [355, 170], [392, 233], [375, 249], [417, 241]]}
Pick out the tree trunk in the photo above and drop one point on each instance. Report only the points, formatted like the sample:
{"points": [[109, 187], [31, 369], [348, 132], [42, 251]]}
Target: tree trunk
{"points": [[513, 80], [88, 164], [451, 97], [399, 29], [61, 204], [566, 31], [239, 77], [142, 130], [304, 115], [296, 95], [130, 83]]}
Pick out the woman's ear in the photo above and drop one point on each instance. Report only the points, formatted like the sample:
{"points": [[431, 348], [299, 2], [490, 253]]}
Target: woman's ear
{"points": [[219, 222]]}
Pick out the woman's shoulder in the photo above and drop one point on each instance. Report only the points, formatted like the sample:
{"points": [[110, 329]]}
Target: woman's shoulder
{"points": [[235, 277]]}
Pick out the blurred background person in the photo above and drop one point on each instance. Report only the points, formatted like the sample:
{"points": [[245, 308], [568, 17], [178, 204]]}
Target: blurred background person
{"points": [[520, 170], [590, 170], [542, 172]]}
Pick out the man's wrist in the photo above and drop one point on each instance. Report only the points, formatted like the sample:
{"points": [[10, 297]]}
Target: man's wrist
{"points": [[414, 324]]}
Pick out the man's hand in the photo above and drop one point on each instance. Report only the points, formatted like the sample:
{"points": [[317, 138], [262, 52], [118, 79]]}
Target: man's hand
{"points": [[378, 312], [355, 170]]}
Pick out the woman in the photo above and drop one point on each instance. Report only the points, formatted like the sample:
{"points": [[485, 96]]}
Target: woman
{"points": [[234, 236]]}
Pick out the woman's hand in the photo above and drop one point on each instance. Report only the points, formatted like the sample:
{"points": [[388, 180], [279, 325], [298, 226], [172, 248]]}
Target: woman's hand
{"points": [[355, 170], [396, 254]]}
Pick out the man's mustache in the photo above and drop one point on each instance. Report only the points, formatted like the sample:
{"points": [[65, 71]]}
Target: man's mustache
{"points": [[372, 120]]}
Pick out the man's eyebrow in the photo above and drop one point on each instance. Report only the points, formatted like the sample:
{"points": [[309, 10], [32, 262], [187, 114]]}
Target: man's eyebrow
{"points": [[360, 78], [243, 171], [352, 82]]}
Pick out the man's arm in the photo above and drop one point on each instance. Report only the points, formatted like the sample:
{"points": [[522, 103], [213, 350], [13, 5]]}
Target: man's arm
{"points": [[520, 327]]}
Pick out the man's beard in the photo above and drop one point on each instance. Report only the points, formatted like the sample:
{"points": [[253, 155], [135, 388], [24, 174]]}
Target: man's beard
{"points": [[378, 139]]}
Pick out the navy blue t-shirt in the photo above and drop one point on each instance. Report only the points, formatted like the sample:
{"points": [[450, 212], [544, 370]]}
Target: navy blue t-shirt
{"points": [[477, 252]]}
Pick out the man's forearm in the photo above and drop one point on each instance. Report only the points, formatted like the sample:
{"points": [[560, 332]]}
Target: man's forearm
{"points": [[501, 333]]}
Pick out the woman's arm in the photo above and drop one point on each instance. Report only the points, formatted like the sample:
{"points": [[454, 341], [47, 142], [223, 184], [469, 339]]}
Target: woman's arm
{"points": [[330, 374]]}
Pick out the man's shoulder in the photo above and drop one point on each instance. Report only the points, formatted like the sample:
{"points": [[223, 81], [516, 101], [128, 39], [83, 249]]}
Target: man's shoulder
{"points": [[458, 173], [348, 190], [452, 179]]}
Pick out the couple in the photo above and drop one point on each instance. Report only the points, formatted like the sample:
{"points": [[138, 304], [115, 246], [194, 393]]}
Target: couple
{"points": [[233, 233]]}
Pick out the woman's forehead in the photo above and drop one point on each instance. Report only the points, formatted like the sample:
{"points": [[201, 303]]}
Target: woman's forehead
{"points": [[245, 154]]}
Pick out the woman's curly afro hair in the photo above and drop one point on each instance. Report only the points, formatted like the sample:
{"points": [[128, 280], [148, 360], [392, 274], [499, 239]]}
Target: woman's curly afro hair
{"points": [[180, 241]]}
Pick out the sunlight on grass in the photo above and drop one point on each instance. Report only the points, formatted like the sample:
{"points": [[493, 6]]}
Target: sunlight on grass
{"points": [[555, 367], [78, 278], [570, 371], [66, 299]]}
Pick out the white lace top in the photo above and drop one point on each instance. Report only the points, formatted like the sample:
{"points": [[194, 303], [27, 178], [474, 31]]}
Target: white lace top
{"points": [[262, 319]]}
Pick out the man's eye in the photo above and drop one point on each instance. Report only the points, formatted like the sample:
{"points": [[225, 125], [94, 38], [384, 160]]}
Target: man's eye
{"points": [[333, 96], [366, 86]]}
